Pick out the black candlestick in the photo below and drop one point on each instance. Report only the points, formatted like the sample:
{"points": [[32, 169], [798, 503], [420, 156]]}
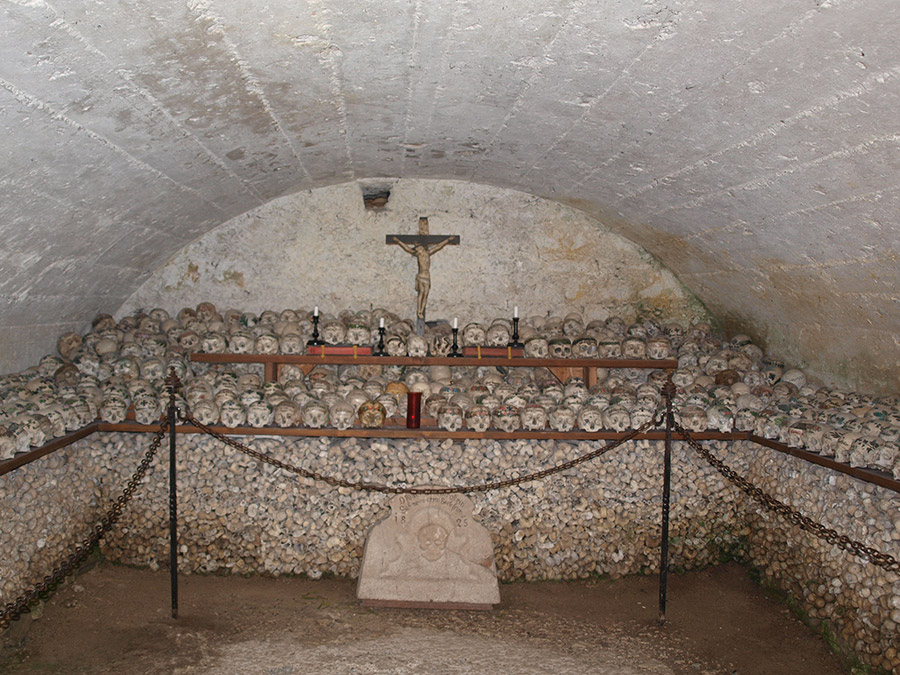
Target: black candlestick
{"points": [[454, 349], [379, 349], [515, 336], [315, 341]]}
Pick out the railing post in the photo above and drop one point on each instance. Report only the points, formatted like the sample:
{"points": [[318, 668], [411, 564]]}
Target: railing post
{"points": [[667, 391], [173, 498]]}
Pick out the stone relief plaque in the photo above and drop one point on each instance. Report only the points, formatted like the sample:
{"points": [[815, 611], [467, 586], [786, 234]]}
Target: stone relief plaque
{"points": [[429, 552]]}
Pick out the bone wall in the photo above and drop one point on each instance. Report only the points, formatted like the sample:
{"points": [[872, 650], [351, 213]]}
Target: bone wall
{"points": [[323, 247], [240, 516]]}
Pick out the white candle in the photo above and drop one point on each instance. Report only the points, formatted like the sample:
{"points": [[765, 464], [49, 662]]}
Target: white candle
{"points": [[316, 310], [455, 322], [381, 322], [516, 312]]}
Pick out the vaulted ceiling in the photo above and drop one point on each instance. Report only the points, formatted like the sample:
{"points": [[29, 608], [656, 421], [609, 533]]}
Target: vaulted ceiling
{"points": [[752, 146]]}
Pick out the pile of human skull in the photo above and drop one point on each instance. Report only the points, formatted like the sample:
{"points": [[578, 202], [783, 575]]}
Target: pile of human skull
{"points": [[722, 385]]}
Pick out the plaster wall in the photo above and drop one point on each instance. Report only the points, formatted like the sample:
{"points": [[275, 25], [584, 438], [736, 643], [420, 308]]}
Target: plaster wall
{"points": [[323, 247]]}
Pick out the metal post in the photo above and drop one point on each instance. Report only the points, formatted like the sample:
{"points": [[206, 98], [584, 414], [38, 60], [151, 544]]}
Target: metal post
{"points": [[668, 391], [173, 500]]}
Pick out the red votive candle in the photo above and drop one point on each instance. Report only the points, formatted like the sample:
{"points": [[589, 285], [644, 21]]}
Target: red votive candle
{"points": [[413, 409]]}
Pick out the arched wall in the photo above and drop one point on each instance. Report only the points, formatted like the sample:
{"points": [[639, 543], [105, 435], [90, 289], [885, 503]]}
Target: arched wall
{"points": [[324, 247]]}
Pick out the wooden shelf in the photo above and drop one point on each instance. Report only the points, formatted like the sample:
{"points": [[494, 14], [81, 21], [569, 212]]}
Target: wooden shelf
{"points": [[425, 431], [562, 368], [428, 431]]}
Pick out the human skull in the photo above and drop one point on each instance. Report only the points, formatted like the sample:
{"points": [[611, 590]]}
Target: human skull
{"points": [[561, 418], [609, 349], [560, 347], [113, 409], [291, 344], [572, 325], [585, 347], [617, 418], [534, 417], [640, 415], [153, 369], [213, 343], [206, 412], [57, 420], [232, 414], [260, 414], [720, 417], [659, 348], [864, 453], [341, 415], [450, 417], [497, 335], [473, 335], [241, 342], [506, 418], [333, 332], [395, 345], [478, 418], [67, 344], [315, 414], [537, 347], [634, 348], [416, 346], [396, 389], [371, 414], [693, 418], [8, 447], [390, 405], [146, 409], [590, 418], [266, 344], [358, 333], [440, 345], [745, 420], [432, 406], [795, 376], [771, 374]]}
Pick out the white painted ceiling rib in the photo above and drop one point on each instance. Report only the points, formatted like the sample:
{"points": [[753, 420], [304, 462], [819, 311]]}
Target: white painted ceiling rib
{"points": [[751, 146]]}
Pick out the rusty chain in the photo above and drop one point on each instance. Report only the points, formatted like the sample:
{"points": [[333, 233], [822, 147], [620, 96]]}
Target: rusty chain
{"points": [[874, 556], [13, 610], [389, 489]]}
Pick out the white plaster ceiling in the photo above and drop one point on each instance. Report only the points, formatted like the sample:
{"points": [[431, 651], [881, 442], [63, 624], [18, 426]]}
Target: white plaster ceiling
{"points": [[752, 146]]}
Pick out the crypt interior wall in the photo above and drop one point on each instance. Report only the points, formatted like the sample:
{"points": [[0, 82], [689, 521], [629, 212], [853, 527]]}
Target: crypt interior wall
{"points": [[324, 247]]}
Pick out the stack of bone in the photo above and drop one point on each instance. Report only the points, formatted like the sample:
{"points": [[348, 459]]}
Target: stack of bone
{"points": [[238, 515], [722, 384], [601, 518]]}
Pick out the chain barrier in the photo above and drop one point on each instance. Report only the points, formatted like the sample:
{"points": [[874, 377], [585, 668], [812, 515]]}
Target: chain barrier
{"points": [[22, 605], [874, 556], [389, 489]]}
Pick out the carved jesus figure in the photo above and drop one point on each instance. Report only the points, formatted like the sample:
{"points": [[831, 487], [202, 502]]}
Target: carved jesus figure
{"points": [[423, 255]]}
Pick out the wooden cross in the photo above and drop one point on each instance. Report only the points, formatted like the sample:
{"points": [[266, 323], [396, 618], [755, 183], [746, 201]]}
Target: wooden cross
{"points": [[422, 246]]}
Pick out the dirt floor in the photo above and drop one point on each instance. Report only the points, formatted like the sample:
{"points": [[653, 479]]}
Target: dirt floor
{"points": [[117, 620]]}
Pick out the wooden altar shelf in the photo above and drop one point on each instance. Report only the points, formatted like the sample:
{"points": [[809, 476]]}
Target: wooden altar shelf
{"points": [[561, 368]]}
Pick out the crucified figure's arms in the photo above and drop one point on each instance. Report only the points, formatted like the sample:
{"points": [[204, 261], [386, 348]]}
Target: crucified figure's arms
{"points": [[406, 247], [437, 247]]}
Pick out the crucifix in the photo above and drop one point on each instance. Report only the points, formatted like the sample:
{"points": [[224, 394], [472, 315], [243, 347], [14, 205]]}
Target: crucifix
{"points": [[422, 246]]}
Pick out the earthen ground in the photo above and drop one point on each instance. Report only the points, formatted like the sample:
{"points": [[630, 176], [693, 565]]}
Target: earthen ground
{"points": [[114, 619]]}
